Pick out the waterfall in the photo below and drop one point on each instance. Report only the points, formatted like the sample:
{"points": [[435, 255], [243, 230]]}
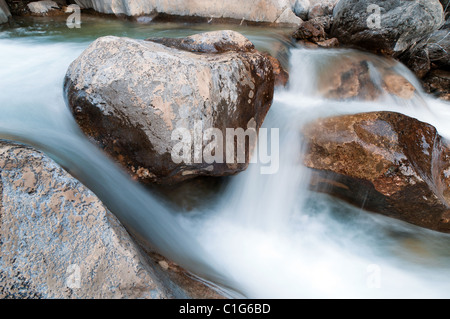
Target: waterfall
{"points": [[266, 236]]}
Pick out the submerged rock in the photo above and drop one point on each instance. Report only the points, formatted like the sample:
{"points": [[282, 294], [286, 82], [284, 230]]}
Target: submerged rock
{"points": [[131, 96], [5, 15], [389, 27], [356, 78], [271, 11], [384, 162], [57, 239]]}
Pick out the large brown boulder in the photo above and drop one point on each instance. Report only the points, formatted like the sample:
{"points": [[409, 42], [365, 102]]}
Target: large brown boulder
{"points": [[58, 240], [384, 162], [130, 95]]}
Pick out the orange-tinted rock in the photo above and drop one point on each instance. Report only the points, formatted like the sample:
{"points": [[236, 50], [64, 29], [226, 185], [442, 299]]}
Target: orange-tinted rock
{"points": [[280, 74], [310, 31], [348, 79], [330, 43], [352, 79], [384, 162], [396, 84]]}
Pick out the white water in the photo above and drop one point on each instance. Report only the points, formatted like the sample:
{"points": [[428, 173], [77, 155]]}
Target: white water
{"points": [[266, 235]]}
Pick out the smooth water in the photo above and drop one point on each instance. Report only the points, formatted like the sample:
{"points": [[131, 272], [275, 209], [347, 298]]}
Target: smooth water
{"points": [[261, 236]]}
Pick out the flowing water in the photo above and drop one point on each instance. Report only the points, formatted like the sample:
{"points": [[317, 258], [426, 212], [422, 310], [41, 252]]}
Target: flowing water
{"points": [[259, 236]]}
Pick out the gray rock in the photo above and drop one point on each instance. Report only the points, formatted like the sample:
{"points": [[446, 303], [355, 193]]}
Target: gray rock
{"points": [[272, 11], [130, 95], [5, 15], [401, 23], [42, 7], [301, 8], [434, 51], [57, 240]]}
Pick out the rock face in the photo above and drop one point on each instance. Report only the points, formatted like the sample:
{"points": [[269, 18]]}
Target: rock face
{"points": [[401, 23], [271, 11], [57, 240], [384, 162], [131, 95], [5, 15]]}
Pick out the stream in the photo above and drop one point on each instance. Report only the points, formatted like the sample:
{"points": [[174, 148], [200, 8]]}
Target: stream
{"points": [[254, 236]]}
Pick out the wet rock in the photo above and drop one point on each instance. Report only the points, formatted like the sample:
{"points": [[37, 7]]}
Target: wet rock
{"points": [[396, 84], [437, 82], [384, 162], [330, 43], [5, 15], [355, 78], [131, 95], [431, 53], [271, 11], [348, 79], [401, 23], [310, 31], [57, 239], [281, 76]]}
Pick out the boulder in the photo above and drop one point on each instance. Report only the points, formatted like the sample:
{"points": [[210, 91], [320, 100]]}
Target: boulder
{"points": [[5, 15], [384, 162], [130, 96], [401, 23], [57, 239], [301, 8], [43, 7], [437, 82], [433, 52], [310, 31], [270, 11]]}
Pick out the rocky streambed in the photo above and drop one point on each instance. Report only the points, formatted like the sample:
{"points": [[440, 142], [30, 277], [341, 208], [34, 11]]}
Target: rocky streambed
{"points": [[353, 125]]}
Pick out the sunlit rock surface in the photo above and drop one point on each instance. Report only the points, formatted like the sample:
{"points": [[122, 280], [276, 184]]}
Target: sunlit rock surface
{"points": [[131, 95], [272, 11], [57, 240]]}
